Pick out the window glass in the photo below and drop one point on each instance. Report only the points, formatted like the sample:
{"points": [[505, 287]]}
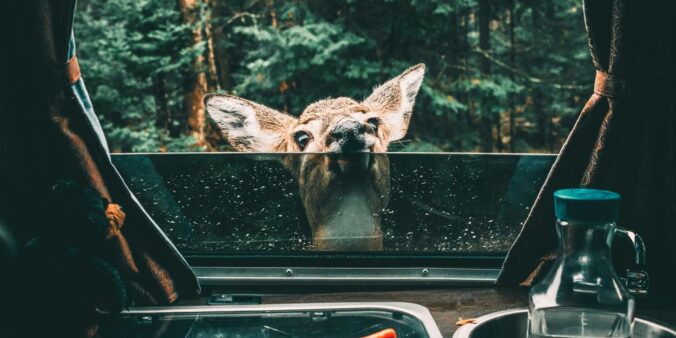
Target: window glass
{"points": [[434, 203]]}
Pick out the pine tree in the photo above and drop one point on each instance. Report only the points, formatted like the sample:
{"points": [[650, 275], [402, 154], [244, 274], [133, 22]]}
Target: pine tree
{"points": [[498, 72]]}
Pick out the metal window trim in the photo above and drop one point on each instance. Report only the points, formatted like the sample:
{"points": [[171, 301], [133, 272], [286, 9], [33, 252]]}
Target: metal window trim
{"points": [[218, 270], [218, 276], [417, 311]]}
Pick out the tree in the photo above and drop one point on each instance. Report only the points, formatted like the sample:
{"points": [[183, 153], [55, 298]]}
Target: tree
{"points": [[512, 59], [196, 84], [486, 119], [516, 70], [134, 55]]}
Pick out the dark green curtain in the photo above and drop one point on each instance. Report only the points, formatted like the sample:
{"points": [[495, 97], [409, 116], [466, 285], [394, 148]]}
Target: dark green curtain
{"points": [[49, 134], [624, 140]]}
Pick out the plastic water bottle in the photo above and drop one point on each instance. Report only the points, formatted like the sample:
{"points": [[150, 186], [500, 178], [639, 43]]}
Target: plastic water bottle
{"points": [[582, 296]]}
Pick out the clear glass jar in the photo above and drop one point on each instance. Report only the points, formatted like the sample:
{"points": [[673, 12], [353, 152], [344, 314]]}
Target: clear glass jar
{"points": [[582, 296]]}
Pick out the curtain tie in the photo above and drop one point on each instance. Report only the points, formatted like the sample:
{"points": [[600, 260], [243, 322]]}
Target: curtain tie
{"points": [[609, 85], [116, 218], [541, 266], [72, 70]]}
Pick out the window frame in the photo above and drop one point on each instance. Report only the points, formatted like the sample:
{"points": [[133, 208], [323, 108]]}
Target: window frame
{"points": [[346, 268]]}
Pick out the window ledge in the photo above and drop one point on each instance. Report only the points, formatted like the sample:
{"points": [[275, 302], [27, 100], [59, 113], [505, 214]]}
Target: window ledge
{"points": [[353, 276]]}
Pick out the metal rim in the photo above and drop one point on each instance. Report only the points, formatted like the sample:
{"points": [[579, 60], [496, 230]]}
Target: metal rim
{"points": [[465, 330], [352, 276], [417, 311]]}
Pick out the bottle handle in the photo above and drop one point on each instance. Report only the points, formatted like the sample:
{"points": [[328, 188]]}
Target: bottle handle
{"points": [[636, 279]]}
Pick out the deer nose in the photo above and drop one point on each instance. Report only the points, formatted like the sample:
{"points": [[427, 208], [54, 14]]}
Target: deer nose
{"points": [[348, 135]]}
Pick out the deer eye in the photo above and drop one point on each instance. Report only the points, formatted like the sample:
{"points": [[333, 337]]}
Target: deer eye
{"points": [[374, 122], [302, 138]]}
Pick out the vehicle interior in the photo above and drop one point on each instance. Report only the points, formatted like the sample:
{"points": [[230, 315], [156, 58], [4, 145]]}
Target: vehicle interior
{"points": [[380, 169]]}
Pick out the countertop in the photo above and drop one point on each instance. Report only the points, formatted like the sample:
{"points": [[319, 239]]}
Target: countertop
{"points": [[447, 305]]}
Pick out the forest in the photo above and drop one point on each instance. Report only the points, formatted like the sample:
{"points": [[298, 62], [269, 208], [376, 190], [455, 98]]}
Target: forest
{"points": [[502, 75]]}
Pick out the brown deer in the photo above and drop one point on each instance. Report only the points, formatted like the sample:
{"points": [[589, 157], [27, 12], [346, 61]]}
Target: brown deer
{"points": [[343, 187]]}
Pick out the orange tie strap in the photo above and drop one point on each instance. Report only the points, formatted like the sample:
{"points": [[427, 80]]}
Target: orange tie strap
{"points": [[72, 70], [543, 262], [115, 217], [462, 322], [609, 85]]}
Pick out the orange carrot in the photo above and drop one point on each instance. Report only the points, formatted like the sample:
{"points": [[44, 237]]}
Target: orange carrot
{"points": [[387, 333]]}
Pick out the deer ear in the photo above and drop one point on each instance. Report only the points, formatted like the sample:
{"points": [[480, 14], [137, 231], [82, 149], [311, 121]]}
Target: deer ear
{"points": [[249, 126], [395, 98]]}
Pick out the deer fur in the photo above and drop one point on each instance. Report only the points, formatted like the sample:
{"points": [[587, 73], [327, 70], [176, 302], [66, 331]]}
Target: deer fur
{"points": [[345, 191]]}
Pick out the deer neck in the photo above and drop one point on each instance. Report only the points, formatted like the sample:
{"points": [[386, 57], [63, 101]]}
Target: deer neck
{"points": [[351, 221]]}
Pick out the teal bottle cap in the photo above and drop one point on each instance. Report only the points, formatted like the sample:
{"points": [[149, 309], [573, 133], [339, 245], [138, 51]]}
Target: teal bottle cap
{"points": [[591, 205]]}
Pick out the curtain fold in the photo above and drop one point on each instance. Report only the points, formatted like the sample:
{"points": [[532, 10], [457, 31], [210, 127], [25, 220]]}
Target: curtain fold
{"points": [[49, 133], [623, 140]]}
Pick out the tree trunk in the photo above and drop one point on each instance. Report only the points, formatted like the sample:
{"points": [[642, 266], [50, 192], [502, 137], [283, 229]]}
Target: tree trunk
{"points": [[222, 59], [486, 118], [465, 41], [213, 83], [273, 13], [463, 46], [197, 85], [512, 99], [549, 115], [541, 113], [454, 47], [161, 102], [498, 133]]}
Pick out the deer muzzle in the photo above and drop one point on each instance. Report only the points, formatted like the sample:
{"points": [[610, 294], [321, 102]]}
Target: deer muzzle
{"points": [[349, 147]]}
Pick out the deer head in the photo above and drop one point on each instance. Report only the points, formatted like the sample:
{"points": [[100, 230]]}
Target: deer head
{"points": [[343, 186]]}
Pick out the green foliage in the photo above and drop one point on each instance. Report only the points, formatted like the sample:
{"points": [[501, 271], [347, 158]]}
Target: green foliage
{"points": [[287, 54], [125, 47], [298, 56]]}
